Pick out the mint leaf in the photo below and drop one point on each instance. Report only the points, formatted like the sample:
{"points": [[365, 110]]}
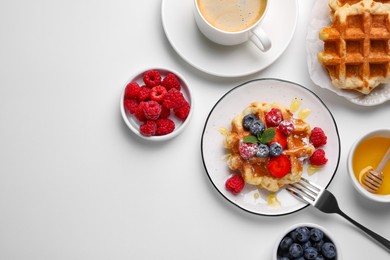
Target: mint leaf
{"points": [[267, 135], [251, 139]]}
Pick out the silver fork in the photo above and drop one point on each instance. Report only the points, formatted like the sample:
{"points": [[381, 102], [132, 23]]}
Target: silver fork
{"points": [[326, 202]]}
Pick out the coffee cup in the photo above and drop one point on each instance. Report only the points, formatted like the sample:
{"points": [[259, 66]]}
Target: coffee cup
{"points": [[232, 22]]}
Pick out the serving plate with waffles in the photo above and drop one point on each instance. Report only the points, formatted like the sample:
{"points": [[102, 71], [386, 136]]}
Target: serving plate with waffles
{"points": [[348, 49], [264, 134]]}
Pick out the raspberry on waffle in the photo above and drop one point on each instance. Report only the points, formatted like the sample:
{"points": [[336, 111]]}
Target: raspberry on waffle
{"points": [[356, 44], [254, 170]]}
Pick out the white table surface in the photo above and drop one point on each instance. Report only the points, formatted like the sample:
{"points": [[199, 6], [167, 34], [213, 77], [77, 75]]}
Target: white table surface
{"points": [[76, 184]]}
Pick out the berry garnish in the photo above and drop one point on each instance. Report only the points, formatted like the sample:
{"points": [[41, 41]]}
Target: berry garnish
{"points": [[263, 151], [248, 150], [275, 149], [171, 81], [279, 166], [279, 138], [158, 93], [152, 110], [318, 157], [257, 127], [152, 78], [317, 137], [286, 127], [132, 90], [235, 184], [164, 126], [248, 120], [273, 117], [148, 128]]}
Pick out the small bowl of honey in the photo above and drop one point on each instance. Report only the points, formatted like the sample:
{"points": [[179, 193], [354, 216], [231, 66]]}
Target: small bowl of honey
{"points": [[366, 153]]}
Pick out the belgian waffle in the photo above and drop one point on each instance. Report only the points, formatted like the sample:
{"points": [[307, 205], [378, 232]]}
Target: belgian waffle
{"points": [[356, 45], [254, 170]]}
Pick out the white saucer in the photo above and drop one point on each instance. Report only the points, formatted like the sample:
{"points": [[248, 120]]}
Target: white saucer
{"points": [[227, 61]]}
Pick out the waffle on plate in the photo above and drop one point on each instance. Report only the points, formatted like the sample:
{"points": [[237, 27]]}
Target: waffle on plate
{"points": [[254, 170]]}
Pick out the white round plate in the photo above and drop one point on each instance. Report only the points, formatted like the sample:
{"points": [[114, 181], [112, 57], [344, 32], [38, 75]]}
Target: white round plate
{"points": [[252, 198], [318, 74], [227, 61]]}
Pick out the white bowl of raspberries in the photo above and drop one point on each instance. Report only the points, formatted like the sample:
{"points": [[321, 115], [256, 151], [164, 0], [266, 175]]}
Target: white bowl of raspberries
{"points": [[156, 104], [306, 241]]}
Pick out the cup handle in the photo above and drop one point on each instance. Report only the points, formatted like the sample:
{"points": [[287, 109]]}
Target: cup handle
{"points": [[261, 39]]}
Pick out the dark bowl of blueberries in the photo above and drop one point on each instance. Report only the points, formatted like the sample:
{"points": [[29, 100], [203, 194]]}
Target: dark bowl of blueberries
{"points": [[306, 241]]}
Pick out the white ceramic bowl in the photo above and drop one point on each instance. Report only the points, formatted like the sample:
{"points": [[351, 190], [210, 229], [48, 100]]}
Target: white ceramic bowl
{"points": [[133, 124], [327, 237], [356, 184]]}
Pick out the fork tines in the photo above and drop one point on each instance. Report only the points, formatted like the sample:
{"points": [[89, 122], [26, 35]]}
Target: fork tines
{"points": [[305, 190]]}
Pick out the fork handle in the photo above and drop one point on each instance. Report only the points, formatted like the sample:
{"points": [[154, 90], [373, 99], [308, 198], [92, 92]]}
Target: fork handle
{"points": [[383, 241]]}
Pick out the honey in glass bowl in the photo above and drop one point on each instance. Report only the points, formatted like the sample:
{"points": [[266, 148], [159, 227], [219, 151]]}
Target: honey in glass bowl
{"points": [[369, 153]]}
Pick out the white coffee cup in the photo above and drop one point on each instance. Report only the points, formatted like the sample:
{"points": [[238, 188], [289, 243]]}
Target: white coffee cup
{"points": [[219, 30]]}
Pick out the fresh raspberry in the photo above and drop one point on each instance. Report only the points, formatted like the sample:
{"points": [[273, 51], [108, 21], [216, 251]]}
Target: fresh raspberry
{"points": [[286, 127], [279, 166], [174, 99], [273, 117], [165, 112], [139, 112], [148, 128], [164, 126], [235, 184], [144, 94], [158, 93], [171, 81], [152, 78], [131, 105], [183, 111], [248, 150], [132, 90], [279, 138], [152, 110], [318, 137], [318, 157]]}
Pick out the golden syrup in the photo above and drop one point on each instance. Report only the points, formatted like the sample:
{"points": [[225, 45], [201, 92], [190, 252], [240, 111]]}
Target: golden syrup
{"points": [[311, 169], [369, 153], [223, 131], [295, 104], [304, 113], [273, 201]]}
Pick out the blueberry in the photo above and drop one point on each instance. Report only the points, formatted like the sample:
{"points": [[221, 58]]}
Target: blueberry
{"points": [[275, 149], [248, 120], [257, 127], [316, 234], [318, 245], [283, 258], [285, 243], [263, 151], [319, 257], [295, 250], [293, 235], [303, 234], [306, 245], [329, 250], [310, 253]]}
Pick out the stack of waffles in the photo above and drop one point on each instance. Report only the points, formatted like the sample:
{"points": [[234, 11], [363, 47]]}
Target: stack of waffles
{"points": [[254, 170], [357, 44]]}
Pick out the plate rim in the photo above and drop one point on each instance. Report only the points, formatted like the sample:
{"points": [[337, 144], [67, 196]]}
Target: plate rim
{"points": [[236, 75], [242, 85]]}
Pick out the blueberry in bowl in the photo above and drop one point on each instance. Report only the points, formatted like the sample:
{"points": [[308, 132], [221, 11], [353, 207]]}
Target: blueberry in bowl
{"points": [[306, 241]]}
